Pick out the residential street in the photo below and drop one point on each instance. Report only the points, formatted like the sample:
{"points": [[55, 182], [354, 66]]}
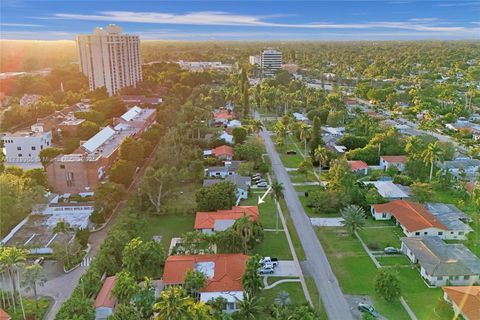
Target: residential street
{"points": [[333, 299]]}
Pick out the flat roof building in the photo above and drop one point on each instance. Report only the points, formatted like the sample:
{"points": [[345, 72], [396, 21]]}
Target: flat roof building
{"points": [[271, 62]]}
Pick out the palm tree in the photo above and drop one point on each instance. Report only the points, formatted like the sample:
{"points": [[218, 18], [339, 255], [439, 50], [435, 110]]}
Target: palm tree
{"points": [[64, 228], [353, 218], [250, 307], [12, 259], [282, 299], [256, 126], [414, 147], [34, 275], [173, 304], [430, 155], [277, 194], [321, 155], [305, 133]]}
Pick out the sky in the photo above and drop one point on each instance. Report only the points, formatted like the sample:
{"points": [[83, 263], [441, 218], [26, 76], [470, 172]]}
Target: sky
{"points": [[244, 20]]}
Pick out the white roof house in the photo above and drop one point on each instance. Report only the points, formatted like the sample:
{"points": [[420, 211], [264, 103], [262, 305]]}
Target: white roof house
{"points": [[388, 189], [97, 140], [131, 114]]}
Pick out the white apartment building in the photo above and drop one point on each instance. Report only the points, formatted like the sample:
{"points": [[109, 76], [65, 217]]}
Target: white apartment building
{"points": [[271, 62], [254, 60], [110, 59], [23, 148]]}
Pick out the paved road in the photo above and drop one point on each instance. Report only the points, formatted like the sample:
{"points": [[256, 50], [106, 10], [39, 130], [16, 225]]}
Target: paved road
{"points": [[333, 299]]}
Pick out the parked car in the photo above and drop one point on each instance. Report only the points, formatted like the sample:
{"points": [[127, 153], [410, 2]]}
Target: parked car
{"points": [[262, 185], [391, 250], [291, 152], [363, 307], [266, 270], [256, 175], [256, 178], [260, 181], [269, 261], [39, 261]]}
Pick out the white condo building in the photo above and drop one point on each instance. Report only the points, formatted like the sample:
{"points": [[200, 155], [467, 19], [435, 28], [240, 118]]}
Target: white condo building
{"points": [[110, 59], [23, 148], [271, 62]]}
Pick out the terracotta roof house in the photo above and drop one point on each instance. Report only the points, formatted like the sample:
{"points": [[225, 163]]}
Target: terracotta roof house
{"points": [[223, 152], [223, 116], [358, 166], [393, 161], [223, 272], [105, 301], [441, 263], [465, 301], [416, 220], [4, 315], [221, 220]]}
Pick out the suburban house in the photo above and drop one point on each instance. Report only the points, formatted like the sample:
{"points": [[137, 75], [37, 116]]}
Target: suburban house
{"points": [[230, 168], [358, 166], [223, 272], [220, 220], [393, 161], [4, 315], [227, 137], [105, 301], [465, 301], [241, 182], [456, 167], [222, 152], [442, 263], [223, 116], [416, 220], [388, 189]]}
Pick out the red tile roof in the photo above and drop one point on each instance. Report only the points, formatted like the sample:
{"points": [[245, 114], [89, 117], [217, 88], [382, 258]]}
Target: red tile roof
{"points": [[357, 165], [105, 297], [223, 151], [395, 159], [467, 299], [228, 270], [412, 215], [206, 220], [470, 186], [4, 315], [225, 115]]}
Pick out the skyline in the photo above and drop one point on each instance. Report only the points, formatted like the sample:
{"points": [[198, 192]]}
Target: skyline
{"points": [[245, 20]]}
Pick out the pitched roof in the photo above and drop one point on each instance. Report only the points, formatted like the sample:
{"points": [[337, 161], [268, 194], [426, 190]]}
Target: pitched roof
{"points": [[223, 151], [438, 258], [395, 159], [4, 315], [467, 299], [206, 220], [224, 115], [412, 215], [226, 276], [105, 298], [357, 165]]}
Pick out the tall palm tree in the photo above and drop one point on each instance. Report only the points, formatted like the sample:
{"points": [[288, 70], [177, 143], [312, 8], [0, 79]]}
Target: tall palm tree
{"points": [[321, 155], [12, 259], [414, 147], [431, 154], [63, 227], [34, 276], [305, 134], [277, 194], [353, 218], [250, 307]]}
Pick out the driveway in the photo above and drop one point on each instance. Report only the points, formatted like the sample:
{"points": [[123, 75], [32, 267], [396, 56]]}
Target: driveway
{"points": [[286, 268], [333, 299], [327, 222]]}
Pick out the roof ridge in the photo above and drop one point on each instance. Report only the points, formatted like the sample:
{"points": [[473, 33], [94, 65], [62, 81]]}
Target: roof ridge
{"points": [[410, 204]]}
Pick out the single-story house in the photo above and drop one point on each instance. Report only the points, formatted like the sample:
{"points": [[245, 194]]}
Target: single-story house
{"points": [[220, 220], [388, 189], [455, 167], [220, 152], [442, 263], [234, 123], [300, 117], [105, 301], [416, 220], [358, 166], [230, 168], [243, 184], [4, 315], [465, 301], [223, 272], [393, 161], [227, 137], [222, 116]]}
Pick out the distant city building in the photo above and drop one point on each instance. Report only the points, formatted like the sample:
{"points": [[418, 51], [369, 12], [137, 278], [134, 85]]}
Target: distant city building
{"points": [[110, 59], [29, 99], [271, 62], [22, 148], [255, 60], [200, 66]]}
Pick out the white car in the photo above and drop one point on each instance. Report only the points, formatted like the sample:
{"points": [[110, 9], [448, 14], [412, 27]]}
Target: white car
{"points": [[262, 184]]}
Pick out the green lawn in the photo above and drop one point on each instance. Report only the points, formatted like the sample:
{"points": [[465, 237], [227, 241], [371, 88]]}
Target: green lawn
{"points": [[315, 296], [293, 288], [297, 245], [274, 244], [310, 211], [291, 160], [394, 260], [301, 177], [268, 210], [168, 226], [307, 188], [379, 238], [31, 312], [271, 280]]}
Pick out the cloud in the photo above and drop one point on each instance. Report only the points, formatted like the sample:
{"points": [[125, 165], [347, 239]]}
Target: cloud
{"points": [[458, 4], [7, 24], [219, 18]]}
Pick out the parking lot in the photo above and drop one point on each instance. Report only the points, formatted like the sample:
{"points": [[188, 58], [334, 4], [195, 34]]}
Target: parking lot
{"points": [[285, 268]]}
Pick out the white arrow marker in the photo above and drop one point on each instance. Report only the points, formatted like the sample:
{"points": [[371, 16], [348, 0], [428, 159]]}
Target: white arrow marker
{"points": [[260, 200]]}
